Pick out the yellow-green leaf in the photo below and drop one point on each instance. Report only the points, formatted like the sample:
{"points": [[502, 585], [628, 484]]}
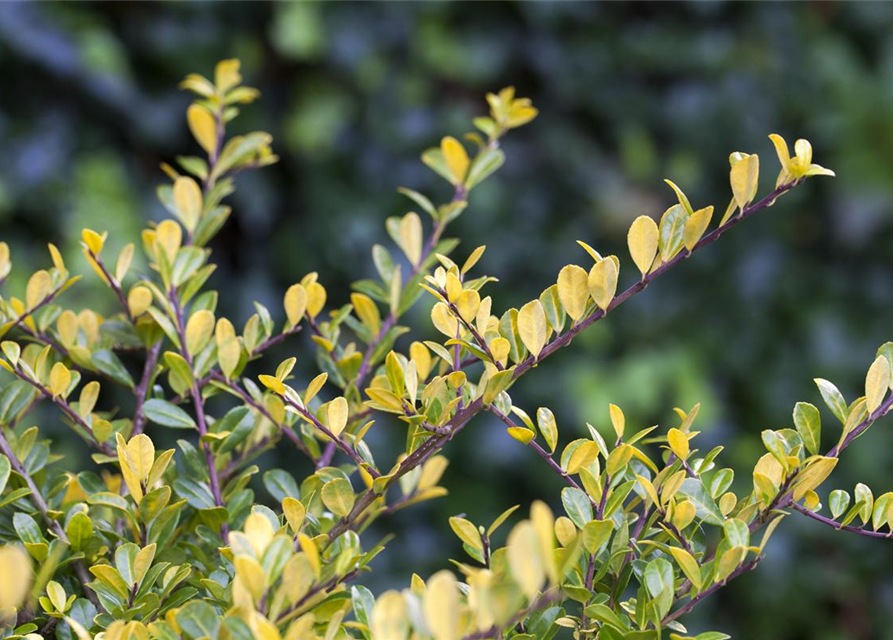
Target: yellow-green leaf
{"points": [[532, 326], [603, 282], [643, 241], [336, 414], [573, 290], [877, 381], [695, 227], [441, 605]]}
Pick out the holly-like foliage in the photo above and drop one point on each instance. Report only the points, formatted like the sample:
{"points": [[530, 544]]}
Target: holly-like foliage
{"points": [[174, 544]]}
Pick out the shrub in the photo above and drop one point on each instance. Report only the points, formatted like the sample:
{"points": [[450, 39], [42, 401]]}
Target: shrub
{"points": [[172, 544]]}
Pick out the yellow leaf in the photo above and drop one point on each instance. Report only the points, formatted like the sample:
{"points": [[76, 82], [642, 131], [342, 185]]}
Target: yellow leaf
{"points": [[603, 282], [521, 434], [93, 240], [314, 387], [441, 605], [139, 300], [695, 227], [573, 290], [338, 497], [411, 237], [618, 459], [15, 576], [688, 565], [443, 320], [468, 302], [390, 617], [678, 443], [618, 420], [683, 514], [643, 241], [336, 413], [744, 177], [141, 454], [316, 298], [456, 158], [583, 456], [38, 288], [525, 559], [877, 381], [203, 127], [295, 512], [169, 237], [122, 266], [60, 378], [295, 303], [188, 201], [367, 311], [499, 349], [198, 330], [226, 74], [532, 326], [815, 473], [272, 383], [142, 562], [89, 395]]}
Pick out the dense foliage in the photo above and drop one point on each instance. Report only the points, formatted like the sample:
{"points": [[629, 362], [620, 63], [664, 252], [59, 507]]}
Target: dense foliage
{"points": [[173, 543]]}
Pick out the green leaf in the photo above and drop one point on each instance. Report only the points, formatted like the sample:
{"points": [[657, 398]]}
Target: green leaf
{"points": [[281, 485], [167, 415], [672, 229], [79, 531], [576, 504], [108, 363], [198, 619], [808, 422], [5, 469], [705, 507], [838, 501], [833, 398], [545, 420]]}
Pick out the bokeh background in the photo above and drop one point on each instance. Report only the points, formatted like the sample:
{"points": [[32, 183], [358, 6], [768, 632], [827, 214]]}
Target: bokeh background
{"points": [[629, 94]]}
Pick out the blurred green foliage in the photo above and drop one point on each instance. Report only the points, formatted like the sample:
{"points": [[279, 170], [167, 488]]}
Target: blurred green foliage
{"points": [[628, 94]]}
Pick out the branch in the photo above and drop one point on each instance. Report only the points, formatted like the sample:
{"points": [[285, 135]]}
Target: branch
{"points": [[691, 604], [142, 389], [462, 416], [838, 526], [37, 499]]}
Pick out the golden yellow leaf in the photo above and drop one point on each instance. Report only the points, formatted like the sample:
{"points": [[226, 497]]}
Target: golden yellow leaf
{"points": [[93, 240], [188, 201], [618, 420], [678, 443], [295, 512], [168, 237], [468, 302], [443, 320], [316, 298], [525, 559], [272, 383], [411, 237], [60, 378], [295, 303], [643, 241], [390, 617], [695, 227], [441, 605], [532, 326], [199, 328], [688, 565], [573, 290], [139, 300], [203, 127], [744, 177], [337, 413], [603, 282], [38, 288], [367, 311], [877, 381], [456, 158]]}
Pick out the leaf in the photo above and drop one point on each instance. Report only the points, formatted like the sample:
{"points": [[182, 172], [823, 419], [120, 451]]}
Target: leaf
{"points": [[441, 606], [390, 619], [603, 282], [813, 475], [833, 398], [108, 363], [338, 496], [573, 290], [838, 501], [678, 442], [60, 378], [203, 127], [188, 201], [532, 326], [596, 533], [618, 420], [466, 532], [672, 229], [877, 381], [744, 177], [545, 421], [695, 227], [411, 237], [524, 559], [5, 469], [808, 422], [336, 415], [577, 506], [705, 507], [167, 415], [295, 303], [643, 240], [688, 565], [456, 159]]}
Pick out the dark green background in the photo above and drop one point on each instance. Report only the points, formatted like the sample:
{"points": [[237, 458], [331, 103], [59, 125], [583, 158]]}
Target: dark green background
{"points": [[629, 94]]}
